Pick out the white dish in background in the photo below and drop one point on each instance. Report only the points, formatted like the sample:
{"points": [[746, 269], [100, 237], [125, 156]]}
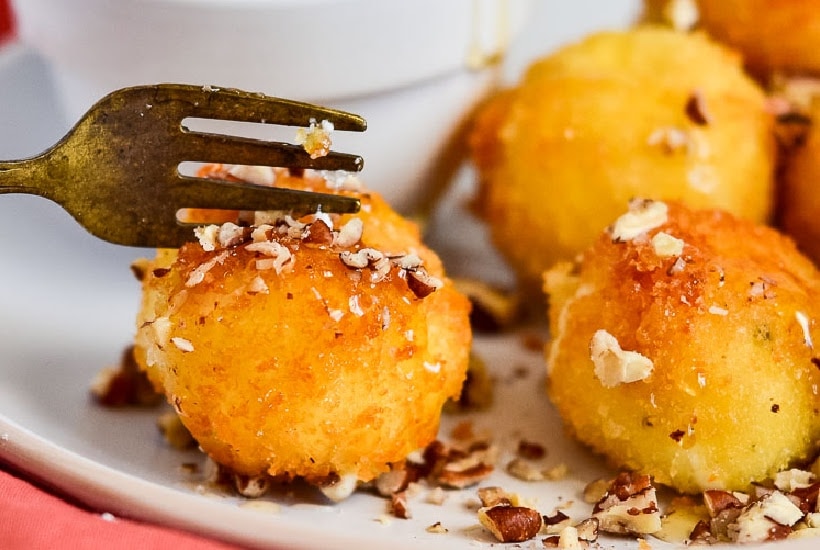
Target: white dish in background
{"points": [[318, 50]]}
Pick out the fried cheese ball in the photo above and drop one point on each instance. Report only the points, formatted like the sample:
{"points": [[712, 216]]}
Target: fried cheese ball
{"points": [[684, 348], [648, 112], [319, 348]]}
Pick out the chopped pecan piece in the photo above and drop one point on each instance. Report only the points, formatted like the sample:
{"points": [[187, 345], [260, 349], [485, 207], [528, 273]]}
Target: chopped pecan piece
{"points": [[251, 486], [511, 523], [318, 233], [398, 505], [421, 283], [696, 109], [494, 496], [124, 385], [629, 506]]}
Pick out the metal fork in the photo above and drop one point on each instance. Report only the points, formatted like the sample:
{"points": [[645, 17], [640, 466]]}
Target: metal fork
{"points": [[117, 171]]}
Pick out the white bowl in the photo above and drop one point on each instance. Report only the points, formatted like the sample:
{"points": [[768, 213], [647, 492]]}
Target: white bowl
{"points": [[412, 68]]}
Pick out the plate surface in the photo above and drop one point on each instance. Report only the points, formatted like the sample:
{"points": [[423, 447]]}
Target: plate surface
{"points": [[67, 305]]}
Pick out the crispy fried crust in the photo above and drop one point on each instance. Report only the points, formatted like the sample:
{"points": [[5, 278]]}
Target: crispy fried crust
{"points": [[729, 327], [312, 368]]}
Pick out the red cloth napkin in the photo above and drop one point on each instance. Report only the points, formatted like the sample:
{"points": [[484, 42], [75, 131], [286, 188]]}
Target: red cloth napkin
{"points": [[6, 21], [33, 519]]}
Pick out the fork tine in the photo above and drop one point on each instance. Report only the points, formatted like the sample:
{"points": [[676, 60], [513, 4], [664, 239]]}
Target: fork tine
{"points": [[193, 192], [213, 102], [221, 148]]}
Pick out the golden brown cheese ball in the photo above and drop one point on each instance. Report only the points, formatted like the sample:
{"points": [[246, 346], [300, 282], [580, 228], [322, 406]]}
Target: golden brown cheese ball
{"points": [[799, 208], [684, 347], [318, 347], [648, 112]]}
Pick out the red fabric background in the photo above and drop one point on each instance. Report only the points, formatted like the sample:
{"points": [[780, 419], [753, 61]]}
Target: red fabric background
{"points": [[6, 21], [33, 519]]}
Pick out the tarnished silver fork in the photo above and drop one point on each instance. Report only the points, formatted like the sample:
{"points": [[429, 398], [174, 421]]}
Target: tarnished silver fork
{"points": [[117, 171]]}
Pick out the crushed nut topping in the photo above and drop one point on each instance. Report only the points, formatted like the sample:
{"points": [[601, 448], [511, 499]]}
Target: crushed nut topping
{"points": [[258, 286], [393, 481], [341, 179], [530, 450], [275, 256], [251, 486], [319, 233], [182, 344], [422, 283], [762, 288], [630, 506], [259, 175], [398, 505], [588, 529], [696, 109], [364, 257], [349, 234], [666, 246], [457, 467], [197, 275], [338, 488], [613, 365], [682, 15], [595, 490], [703, 178], [316, 138], [677, 267], [792, 480], [670, 139], [419, 281], [717, 310], [464, 474], [496, 496], [803, 321], [568, 539], [769, 518], [437, 528], [124, 385], [212, 237], [527, 471], [207, 236], [436, 496], [555, 523], [783, 510], [643, 216], [511, 523]]}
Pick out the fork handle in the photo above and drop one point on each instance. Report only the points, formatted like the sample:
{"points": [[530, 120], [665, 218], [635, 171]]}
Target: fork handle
{"points": [[30, 176]]}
